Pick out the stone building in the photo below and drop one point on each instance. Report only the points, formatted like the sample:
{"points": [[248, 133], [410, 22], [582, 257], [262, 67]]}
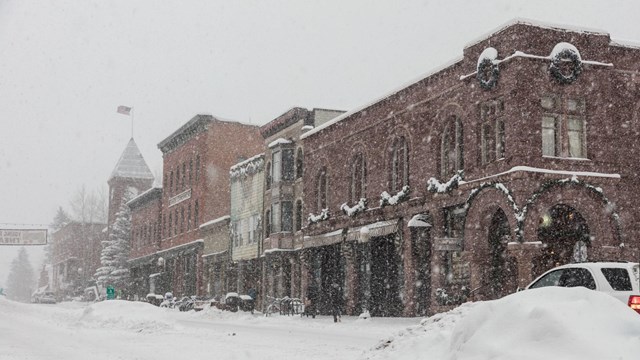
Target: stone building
{"points": [[481, 175]]}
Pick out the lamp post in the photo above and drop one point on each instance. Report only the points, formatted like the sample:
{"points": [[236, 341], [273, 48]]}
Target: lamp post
{"points": [[364, 238]]}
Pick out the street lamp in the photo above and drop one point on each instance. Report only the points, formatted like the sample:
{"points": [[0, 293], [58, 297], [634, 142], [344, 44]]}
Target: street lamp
{"points": [[364, 238]]}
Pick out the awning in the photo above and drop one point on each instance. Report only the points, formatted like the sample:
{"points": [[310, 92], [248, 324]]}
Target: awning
{"points": [[380, 228], [323, 239]]}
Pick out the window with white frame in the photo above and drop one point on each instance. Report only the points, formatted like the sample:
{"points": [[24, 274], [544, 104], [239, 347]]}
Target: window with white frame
{"points": [[563, 127]]}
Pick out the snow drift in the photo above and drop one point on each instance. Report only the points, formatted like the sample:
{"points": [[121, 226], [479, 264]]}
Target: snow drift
{"points": [[128, 315], [546, 323]]}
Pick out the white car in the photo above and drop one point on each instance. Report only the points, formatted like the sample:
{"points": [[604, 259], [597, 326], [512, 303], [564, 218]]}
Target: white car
{"points": [[618, 279]]}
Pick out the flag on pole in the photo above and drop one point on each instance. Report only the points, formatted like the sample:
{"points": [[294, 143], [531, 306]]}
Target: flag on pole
{"points": [[125, 110]]}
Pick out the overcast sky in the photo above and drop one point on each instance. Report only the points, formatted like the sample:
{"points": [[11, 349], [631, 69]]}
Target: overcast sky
{"points": [[66, 65]]}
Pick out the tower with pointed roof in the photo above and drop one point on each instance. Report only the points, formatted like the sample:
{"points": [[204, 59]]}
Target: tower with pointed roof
{"points": [[131, 173]]}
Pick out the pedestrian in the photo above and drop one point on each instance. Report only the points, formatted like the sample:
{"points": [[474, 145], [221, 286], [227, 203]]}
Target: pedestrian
{"points": [[335, 297], [310, 302]]}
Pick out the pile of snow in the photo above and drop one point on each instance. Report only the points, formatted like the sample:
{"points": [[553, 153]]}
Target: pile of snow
{"points": [[130, 315], [547, 323]]}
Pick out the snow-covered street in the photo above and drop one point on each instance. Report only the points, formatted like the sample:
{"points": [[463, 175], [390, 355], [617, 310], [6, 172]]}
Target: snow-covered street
{"points": [[548, 323], [127, 330]]}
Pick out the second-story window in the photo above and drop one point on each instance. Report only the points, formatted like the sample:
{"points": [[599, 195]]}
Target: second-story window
{"points": [[298, 224], [492, 141], [287, 216], [195, 215], [563, 127], [399, 167], [197, 167], [276, 169], [452, 148], [268, 176], [358, 178], [177, 183], [287, 165], [267, 223], [184, 175], [299, 163], [171, 183], [321, 189]]}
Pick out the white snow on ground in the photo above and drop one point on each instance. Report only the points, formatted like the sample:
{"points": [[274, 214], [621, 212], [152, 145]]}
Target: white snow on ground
{"points": [[549, 323]]}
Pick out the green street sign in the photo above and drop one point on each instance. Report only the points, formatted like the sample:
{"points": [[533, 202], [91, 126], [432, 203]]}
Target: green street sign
{"points": [[111, 293]]}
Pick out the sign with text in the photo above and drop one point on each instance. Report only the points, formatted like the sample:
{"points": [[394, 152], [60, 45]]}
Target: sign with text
{"points": [[23, 237]]}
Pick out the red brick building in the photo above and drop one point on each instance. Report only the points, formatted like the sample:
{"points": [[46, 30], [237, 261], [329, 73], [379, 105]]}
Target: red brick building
{"points": [[196, 162], [512, 159]]}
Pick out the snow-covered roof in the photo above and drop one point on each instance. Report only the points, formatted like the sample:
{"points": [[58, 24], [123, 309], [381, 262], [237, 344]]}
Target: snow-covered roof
{"points": [[536, 23], [546, 171], [131, 164], [194, 242], [279, 141], [215, 221], [383, 97], [148, 193]]}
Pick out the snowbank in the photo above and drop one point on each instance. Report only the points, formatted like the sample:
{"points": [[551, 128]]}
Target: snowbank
{"points": [[548, 323], [130, 315]]}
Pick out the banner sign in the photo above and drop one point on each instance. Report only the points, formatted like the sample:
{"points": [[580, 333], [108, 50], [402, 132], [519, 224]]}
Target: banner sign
{"points": [[23, 237]]}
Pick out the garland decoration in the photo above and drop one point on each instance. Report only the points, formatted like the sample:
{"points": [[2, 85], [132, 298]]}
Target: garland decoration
{"points": [[324, 215], [357, 208], [521, 213], [435, 186], [386, 199], [561, 54], [487, 70]]}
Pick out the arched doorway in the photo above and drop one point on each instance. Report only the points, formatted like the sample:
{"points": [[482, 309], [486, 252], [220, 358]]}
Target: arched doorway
{"points": [[502, 275], [565, 235]]}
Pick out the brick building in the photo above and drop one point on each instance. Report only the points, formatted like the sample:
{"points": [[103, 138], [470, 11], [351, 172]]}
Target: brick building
{"points": [[481, 175], [169, 242]]}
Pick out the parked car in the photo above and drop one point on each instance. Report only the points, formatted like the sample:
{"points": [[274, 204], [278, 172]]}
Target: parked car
{"points": [[44, 298], [618, 279]]}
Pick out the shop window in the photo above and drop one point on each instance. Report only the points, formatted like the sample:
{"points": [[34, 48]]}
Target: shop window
{"points": [[563, 127], [454, 221]]}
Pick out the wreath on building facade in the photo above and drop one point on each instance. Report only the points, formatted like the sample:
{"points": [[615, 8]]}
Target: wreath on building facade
{"points": [[487, 71], [566, 63]]}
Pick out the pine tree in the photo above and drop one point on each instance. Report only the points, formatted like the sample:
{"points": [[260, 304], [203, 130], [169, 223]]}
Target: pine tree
{"points": [[59, 221], [115, 250], [21, 278]]}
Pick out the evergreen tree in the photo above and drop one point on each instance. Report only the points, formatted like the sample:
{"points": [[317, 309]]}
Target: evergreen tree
{"points": [[115, 250], [59, 221], [21, 278]]}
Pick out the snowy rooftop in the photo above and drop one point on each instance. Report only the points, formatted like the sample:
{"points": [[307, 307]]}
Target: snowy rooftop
{"points": [[131, 164]]}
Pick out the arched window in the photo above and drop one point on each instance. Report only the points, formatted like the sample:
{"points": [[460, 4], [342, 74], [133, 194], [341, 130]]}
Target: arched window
{"points": [[358, 178], [452, 158], [299, 163], [399, 166], [321, 189], [298, 226], [268, 175]]}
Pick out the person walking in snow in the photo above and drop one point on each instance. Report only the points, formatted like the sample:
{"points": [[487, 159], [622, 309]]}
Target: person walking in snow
{"points": [[335, 298]]}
